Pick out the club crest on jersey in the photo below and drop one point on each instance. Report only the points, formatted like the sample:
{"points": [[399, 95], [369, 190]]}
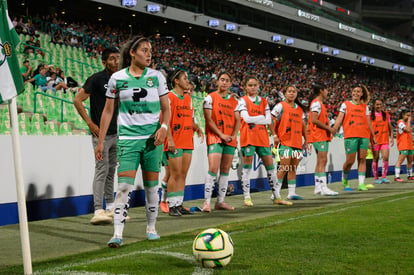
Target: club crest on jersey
{"points": [[5, 51], [150, 83]]}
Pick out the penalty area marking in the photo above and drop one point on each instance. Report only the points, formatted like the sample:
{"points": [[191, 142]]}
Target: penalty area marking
{"points": [[65, 269]]}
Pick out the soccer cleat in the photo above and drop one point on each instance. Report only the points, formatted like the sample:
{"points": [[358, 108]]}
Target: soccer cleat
{"points": [[295, 197], [174, 211], [281, 201], [398, 179], [328, 192], [248, 202], [369, 186], [378, 181], [346, 186], [183, 210], [348, 189], [385, 180], [318, 191], [110, 212], [115, 242], [152, 235], [100, 217], [164, 207], [362, 187], [223, 206], [206, 207], [410, 178]]}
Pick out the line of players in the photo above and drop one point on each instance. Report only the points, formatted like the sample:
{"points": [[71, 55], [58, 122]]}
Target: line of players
{"points": [[224, 115], [142, 97]]}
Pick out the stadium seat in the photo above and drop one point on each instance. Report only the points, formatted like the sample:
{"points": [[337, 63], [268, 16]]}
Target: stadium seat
{"points": [[5, 128], [37, 128], [38, 118], [24, 117], [51, 128], [52, 112], [65, 129]]}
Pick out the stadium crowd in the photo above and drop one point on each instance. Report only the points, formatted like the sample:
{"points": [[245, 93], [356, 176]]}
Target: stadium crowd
{"points": [[204, 64]]}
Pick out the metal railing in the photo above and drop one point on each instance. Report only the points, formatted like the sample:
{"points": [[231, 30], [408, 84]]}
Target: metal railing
{"points": [[62, 100]]}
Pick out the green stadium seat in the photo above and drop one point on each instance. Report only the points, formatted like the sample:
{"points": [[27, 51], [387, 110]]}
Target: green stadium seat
{"points": [[65, 129], [5, 128], [38, 118], [51, 128], [52, 112], [37, 128]]}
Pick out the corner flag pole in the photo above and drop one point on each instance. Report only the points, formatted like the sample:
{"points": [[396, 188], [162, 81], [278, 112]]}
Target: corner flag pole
{"points": [[21, 199]]}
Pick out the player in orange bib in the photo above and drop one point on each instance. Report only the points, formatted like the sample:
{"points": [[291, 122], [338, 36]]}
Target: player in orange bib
{"points": [[405, 145], [290, 127], [222, 125], [381, 125], [178, 145], [354, 117], [254, 138], [319, 134]]}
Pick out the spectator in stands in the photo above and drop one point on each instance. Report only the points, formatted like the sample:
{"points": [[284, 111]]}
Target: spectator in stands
{"points": [[26, 70], [61, 79], [40, 79], [30, 44], [95, 89], [38, 49], [141, 134]]}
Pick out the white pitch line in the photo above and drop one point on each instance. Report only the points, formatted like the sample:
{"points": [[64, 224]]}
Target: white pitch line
{"points": [[197, 269]]}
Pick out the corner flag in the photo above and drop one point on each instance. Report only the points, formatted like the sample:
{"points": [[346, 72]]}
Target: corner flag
{"points": [[11, 81]]}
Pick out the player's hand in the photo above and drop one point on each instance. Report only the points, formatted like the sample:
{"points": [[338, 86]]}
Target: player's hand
{"points": [[160, 136], [171, 146], [200, 134], [94, 129], [98, 152]]}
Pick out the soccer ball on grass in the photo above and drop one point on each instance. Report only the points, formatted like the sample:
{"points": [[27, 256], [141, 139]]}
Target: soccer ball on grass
{"points": [[213, 248]]}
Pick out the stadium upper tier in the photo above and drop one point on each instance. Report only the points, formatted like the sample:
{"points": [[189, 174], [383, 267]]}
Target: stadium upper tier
{"points": [[203, 64]]}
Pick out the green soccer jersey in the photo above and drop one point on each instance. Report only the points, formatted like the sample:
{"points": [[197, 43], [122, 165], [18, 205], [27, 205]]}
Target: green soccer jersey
{"points": [[139, 102]]}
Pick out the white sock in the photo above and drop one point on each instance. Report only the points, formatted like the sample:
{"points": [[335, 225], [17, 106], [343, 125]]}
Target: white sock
{"points": [[179, 201], [208, 187], [222, 184], [317, 183], [322, 182], [110, 205], [361, 178], [273, 182], [292, 189], [172, 201], [397, 172], [151, 205], [246, 182], [121, 207], [410, 171]]}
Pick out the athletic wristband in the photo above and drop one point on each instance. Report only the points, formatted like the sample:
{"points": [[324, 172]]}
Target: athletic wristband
{"points": [[164, 126], [274, 136]]}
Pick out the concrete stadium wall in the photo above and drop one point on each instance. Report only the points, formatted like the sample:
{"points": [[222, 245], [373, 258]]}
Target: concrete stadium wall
{"points": [[58, 173]]}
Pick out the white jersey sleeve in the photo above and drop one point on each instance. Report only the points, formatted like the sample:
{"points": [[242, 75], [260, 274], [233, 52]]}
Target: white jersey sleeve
{"points": [[111, 91], [163, 87], [342, 109], [367, 111], [208, 103], [277, 111], [316, 107], [401, 127]]}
